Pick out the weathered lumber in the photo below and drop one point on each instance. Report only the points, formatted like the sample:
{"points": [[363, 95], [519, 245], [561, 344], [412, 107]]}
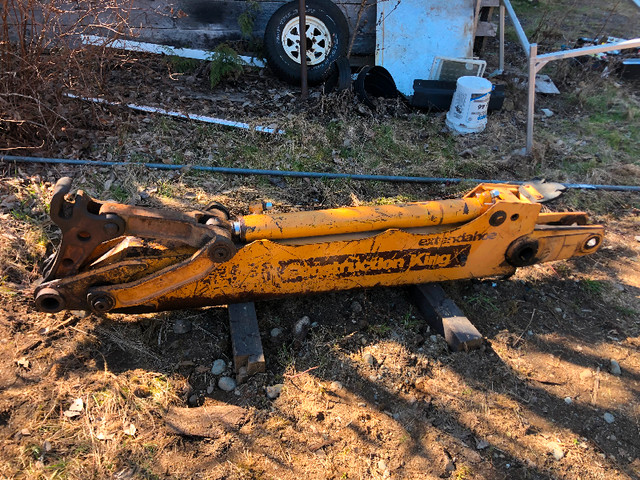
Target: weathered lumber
{"points": [[245, 339], [445, 317]]}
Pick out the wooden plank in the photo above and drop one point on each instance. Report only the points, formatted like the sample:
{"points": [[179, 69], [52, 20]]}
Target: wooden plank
{"points": [[489, 3], [445, 317], [486, 29], [245, 339]]}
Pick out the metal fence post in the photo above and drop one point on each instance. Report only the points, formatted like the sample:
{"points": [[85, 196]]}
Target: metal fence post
{"points": [[502, 12], [531, 98], [302, 27]]}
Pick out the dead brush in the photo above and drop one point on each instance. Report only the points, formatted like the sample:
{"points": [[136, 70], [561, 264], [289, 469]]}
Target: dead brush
{"points": [[24, 237], [40, 56]]}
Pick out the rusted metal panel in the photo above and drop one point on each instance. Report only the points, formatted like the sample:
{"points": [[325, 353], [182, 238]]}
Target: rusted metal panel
{"points": [[410, 33]]}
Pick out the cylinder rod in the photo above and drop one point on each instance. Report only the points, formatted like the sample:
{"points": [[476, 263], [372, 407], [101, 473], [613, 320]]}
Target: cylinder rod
{"points": [[337, 221]]}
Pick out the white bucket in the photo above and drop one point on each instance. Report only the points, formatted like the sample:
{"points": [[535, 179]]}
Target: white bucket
{"points": [[468, 111]]}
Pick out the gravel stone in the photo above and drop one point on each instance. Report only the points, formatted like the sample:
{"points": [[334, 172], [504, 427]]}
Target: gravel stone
{"points": [[300, 330], [368, 359], [276, 332], [568, 400], [558, 454], [481, 444], [181, 326], [226, 383], [614, 368], [356, 307], [274, 391], [218, 367], [609, 418], [336, 385]]}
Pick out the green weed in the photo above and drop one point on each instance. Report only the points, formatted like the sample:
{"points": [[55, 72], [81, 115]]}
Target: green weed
{"points": [[247, 19], [483, 301], [380, 329], [225, 64], [592, 286], [183, 65]]}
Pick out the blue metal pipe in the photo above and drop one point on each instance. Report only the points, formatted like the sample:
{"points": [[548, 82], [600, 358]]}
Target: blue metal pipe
{"points": [[288, 173]]}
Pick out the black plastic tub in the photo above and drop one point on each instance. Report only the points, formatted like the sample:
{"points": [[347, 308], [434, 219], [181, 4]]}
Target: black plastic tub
{"points": [[436, 95]]}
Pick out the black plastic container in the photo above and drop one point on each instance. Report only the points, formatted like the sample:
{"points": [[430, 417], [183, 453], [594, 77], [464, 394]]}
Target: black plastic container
{"points": [[436, 95]]}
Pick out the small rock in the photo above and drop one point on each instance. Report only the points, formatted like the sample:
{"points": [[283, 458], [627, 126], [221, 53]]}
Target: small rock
{"points": [[520, 152], [481, 444], [547, 113], [609, 418], [585, 374], [558, 310], [335, 385], [242, 375], [556, 451], [181, 326], [466, 153], [614, 368], [274, 391], [300, 331], [193, 400], [619, 287], [47, 446], [226, 383], [25, 432], [80, 313], [568, 400], [356, 307], [433, 338], [368, 359], [450, 466], [382, 465], [218, 367], [637, 237], [275, 332], [210, 389]]}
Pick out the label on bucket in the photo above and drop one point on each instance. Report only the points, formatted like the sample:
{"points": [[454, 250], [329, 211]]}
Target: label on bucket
{"points": [[469, 108]]}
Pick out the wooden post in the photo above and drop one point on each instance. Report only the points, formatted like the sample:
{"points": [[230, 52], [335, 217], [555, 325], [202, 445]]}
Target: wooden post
{"points": [[245, 339], [444, 316]]}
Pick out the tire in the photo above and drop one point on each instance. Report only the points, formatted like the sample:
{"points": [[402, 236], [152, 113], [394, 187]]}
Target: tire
{"points": [[327, 40]]}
